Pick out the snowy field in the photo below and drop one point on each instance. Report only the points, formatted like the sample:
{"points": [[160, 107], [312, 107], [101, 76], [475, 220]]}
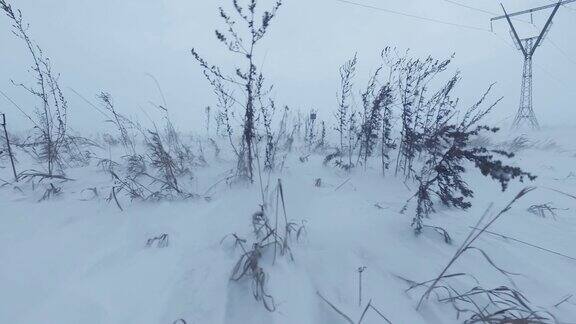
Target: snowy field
{"points": [[173, 162], [78, 259]]}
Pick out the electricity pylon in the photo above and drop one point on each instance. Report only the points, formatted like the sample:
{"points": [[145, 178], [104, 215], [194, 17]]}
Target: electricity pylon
{"points": [[528, 46]]}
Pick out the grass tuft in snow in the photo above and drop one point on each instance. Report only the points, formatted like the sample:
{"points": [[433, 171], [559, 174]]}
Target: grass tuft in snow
{"points": [[482, 305], [367, 308], [271, 238], [160, 241]]}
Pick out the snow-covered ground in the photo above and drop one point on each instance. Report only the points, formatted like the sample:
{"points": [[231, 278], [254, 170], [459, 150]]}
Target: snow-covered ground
{"points": [[79, 259]]}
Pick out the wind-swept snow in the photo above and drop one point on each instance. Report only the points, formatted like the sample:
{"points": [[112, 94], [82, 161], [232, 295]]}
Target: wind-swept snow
{"points": [[78, 260]]}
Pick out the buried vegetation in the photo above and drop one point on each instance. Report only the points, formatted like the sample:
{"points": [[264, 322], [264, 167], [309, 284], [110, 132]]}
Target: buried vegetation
{"points": [[401, 125]]}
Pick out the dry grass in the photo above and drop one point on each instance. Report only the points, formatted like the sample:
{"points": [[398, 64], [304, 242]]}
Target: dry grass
{"points": [[271, 237], [476, 232], [160, 241], [369, 307], [498, 305], [543, 210]]}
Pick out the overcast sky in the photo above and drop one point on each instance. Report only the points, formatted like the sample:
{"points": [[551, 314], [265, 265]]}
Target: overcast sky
{"points": [[111, 44]]}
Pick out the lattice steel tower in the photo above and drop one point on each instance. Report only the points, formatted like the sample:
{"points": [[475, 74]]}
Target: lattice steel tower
{"points": [[525, 113], [528, 46]]}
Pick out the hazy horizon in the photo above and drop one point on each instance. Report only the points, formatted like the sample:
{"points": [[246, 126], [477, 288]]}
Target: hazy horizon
{"points": [[111, 46]]}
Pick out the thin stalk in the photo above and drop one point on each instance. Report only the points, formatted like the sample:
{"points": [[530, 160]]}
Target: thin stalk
{"points": [[9, 147], [472, 236]]}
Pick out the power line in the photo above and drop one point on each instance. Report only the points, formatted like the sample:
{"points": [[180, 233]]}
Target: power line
{"points": [[470, 7], [540, 67], [404, 14], [504, 41], [434, 20], [487, 12], [532, 10], [568, 7], [564, 53], [18, 107], [553, 77], [565, 5]]}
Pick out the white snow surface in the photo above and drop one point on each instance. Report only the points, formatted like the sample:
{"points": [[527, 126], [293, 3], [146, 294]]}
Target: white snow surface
{"points": [[79, 259]]}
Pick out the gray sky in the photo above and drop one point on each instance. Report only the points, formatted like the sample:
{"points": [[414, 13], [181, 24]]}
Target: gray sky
{"points": [[111, 45]]}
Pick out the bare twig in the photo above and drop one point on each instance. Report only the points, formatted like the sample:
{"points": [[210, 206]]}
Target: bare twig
{"points": [[360, 271], [346, 317], [343, 183], [368, 307], [564, 300]]}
